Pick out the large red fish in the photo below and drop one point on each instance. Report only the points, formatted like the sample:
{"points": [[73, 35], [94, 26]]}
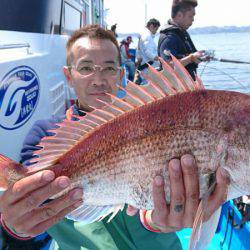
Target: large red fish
{"points": [[115, 152]]}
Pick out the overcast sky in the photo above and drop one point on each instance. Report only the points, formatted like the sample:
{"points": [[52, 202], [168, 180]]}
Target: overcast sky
{"points": [[130, 14]]}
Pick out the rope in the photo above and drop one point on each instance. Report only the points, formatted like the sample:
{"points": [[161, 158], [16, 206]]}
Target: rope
{"points": [[204, 68]]}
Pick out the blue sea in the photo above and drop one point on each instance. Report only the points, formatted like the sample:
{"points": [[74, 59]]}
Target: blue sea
{"points": [[220, 75]]}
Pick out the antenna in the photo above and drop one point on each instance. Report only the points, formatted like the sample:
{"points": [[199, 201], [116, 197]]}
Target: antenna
{"points": [[146, 11]]}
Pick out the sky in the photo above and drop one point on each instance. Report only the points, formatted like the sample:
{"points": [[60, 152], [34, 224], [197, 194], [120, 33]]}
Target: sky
{"points": [[130, 15]]}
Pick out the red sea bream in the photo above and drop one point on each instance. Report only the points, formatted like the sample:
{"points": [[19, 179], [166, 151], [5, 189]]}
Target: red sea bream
{"points": [[115, 151]]}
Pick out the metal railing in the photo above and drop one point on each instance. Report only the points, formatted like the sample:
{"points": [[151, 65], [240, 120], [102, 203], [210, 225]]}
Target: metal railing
{"points": [[15, 46]]}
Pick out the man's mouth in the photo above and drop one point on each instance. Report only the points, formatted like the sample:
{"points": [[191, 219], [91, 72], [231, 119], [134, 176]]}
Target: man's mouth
{"points": [[99, 93]]}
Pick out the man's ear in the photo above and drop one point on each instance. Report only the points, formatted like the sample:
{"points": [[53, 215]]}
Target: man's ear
{"points": [[68, 75], [122, 73], [179, 15]]}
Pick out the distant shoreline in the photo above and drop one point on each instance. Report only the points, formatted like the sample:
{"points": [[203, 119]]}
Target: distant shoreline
{"points": [[204, 30], [216, 29]]}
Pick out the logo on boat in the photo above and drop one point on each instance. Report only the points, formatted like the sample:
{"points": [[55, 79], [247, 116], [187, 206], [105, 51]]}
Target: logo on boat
{"points": [[19, 94]]}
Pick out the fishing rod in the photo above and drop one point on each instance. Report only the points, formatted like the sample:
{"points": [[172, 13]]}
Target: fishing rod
{"points": [[211, 55], [228, 60]]}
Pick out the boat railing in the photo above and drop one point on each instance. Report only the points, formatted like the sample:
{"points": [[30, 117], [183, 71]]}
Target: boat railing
{"points": [[15, 46]]}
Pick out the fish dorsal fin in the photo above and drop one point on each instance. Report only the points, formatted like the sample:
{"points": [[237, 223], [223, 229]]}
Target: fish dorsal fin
{"points": [[170, 81], [69, 133], [65, 136], [162, 82], [141, 92], [183, 73], [199, 82], [176, 75], [121, 103], [173, 77]]}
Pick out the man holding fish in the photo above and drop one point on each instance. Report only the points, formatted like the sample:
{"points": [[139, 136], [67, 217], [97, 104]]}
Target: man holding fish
{"points": [[93, 70]]}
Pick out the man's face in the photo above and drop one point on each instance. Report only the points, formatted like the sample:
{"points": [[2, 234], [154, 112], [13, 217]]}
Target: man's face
{"points": [[88, 52], [187, 18], [153, 28]]}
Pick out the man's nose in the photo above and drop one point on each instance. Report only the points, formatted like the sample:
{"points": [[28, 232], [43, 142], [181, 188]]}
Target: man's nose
{"points": [[97, 76], [98, 79], [98, 83]]}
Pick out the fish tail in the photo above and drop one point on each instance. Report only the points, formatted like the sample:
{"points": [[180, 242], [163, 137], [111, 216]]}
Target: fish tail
{"points": [[8, 170]]}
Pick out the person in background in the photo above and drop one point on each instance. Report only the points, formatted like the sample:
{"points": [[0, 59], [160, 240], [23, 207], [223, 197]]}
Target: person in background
{"points": [[94, 67], [127, 57], [138, 61], [175, 39], [113, 29], [243, 205], [147, 47]]}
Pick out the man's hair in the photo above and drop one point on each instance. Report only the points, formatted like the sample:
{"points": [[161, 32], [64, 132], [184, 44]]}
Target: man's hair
{"points": [[154, 22], [90, 31], [183, 6], [129, 38]]}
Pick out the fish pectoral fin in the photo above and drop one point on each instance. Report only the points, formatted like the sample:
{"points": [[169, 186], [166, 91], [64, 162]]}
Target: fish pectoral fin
{"points": [[115, 211], [90, 214], [203, 232]]}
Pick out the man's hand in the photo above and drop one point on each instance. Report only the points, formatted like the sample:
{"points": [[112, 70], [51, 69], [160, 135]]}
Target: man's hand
{"points": [[200, 56], [184, 192], [197, 57], [22, 205]]}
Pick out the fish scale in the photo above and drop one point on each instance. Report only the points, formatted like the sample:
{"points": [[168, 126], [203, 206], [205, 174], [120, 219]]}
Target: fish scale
{"points": [[146, 165]]}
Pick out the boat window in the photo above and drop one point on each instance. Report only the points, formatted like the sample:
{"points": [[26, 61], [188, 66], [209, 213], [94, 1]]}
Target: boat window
{"points": [[72, 19], [87, 14]]}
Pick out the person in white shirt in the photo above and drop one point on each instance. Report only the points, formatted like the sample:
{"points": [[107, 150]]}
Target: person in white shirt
{"points": [[147, 47]]}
